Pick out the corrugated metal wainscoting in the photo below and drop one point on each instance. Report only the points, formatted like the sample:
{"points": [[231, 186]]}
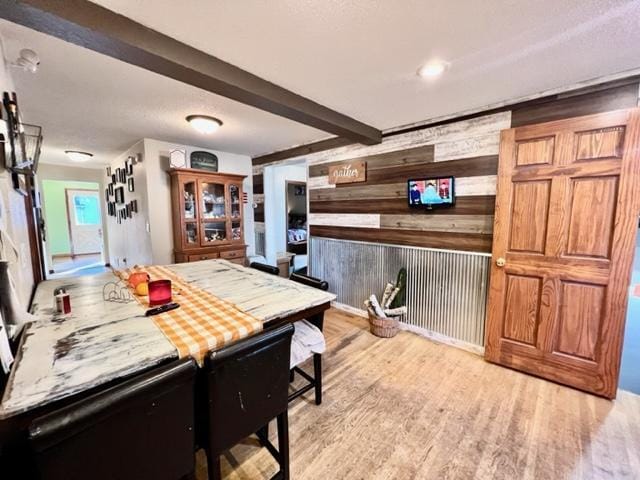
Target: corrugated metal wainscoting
{"points": [[446, 290]]}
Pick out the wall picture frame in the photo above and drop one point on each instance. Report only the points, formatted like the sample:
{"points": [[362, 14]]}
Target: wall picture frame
{"points": [[178, 158], [128, 165], [110, 189], [130, 184], [119, 195], [203, 161], [134, 206], [108, 171]]}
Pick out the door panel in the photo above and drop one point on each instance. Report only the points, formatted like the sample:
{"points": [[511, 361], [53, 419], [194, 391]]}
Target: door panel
{"points": [[567, 205], [593, 206], [529, 207], [580, 319], [535, 152], [85, 221], [523, 308], [601, 143]]}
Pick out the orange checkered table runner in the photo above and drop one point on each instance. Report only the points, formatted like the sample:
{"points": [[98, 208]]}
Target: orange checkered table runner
{"points": [[203, 322]]}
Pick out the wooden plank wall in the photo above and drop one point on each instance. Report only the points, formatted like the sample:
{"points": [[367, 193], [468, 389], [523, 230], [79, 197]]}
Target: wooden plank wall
{"points": [[377, 211]]}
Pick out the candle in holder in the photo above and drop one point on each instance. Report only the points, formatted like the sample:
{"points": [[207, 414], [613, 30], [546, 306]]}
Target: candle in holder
{"points": [[159, 292]]}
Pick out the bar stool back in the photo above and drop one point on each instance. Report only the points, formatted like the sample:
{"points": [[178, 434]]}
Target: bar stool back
{"points": [[247, 386], [315, 381], [142, 429]]}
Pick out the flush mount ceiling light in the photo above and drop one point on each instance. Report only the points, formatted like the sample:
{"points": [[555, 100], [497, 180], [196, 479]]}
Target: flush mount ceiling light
{"points": [[204, 124], [77, 156], [432, 69]]}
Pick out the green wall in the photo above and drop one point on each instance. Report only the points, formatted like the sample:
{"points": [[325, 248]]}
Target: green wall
{"points": [[55, 213]]}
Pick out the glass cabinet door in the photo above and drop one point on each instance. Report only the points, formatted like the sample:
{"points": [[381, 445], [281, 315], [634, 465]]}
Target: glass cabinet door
{"points": [[191, 234], [236, 231], [236, 201], [214, 232], [189, 200], [213, 202], [190, 213]]}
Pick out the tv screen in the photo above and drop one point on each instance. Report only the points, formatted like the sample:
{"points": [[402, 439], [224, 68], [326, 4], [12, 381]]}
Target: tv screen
{"points": [[431, 192]]}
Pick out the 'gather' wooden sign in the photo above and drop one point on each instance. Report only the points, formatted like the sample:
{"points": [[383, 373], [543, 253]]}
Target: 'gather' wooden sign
{"points": [[348, 172]]}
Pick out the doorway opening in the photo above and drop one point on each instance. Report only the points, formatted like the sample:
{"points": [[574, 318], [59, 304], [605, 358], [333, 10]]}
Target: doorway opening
{"points": [[629, 371], [285, 217], [296, 208], [73, 217]]}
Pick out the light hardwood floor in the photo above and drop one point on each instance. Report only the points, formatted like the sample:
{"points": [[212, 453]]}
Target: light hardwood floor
{"points": [[408, 408]]}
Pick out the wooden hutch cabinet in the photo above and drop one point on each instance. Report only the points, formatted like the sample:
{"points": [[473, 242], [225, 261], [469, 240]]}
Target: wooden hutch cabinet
{"points": [[207, 215]]}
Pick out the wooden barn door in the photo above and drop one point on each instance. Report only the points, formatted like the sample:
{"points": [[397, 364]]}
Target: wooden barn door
{"points": [[566, 217]]}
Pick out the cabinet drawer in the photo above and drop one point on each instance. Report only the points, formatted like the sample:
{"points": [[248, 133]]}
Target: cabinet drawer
{"points": [[232, 254], [203, 256]]}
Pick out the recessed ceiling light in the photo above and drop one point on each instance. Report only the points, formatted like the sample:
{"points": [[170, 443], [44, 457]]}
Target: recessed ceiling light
{"points": [[204, 124], [432, 69], [77, 156]]}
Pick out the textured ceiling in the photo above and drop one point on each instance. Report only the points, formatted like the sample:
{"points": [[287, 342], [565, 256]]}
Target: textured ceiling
{"points": [[358, 57], [87, 101]]}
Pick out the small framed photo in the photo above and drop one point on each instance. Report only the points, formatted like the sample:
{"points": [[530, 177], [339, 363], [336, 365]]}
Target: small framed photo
{"points": [[130, 185], [108, 171], [106, 194], [128, 165], [127, 211], [110, 189], [120, 195], [114, 178], [134, 206]]}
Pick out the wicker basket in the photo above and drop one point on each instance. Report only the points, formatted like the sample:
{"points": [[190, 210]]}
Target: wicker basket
{"points": [[383, 327]]}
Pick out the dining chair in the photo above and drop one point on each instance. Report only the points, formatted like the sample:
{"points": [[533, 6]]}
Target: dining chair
{"points": [[3, 375], [141, 429], [263, 267], [312, 332], [247, 386]]}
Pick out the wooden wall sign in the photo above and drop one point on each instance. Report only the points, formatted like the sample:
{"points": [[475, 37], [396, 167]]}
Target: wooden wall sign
{"points": [[348, 172]]}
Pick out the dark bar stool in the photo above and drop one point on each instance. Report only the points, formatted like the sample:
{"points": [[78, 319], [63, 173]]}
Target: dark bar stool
{"points": [[247, 386], [314, 382], [263, 267], [142, 429]]}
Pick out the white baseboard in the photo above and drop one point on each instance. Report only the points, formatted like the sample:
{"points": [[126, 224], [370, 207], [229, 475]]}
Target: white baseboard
{"points": [[436, 337], [349, 309]]}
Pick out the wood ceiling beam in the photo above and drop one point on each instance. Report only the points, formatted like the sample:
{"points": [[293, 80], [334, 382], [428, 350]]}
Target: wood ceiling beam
{"points": [[99, 29]]}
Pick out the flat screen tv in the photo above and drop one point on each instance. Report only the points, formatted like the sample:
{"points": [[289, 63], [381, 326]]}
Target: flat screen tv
{"points": [[433, 192]]}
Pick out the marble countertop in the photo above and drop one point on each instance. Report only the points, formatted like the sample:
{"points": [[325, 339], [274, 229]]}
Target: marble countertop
{"points": [[62, 355]]}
